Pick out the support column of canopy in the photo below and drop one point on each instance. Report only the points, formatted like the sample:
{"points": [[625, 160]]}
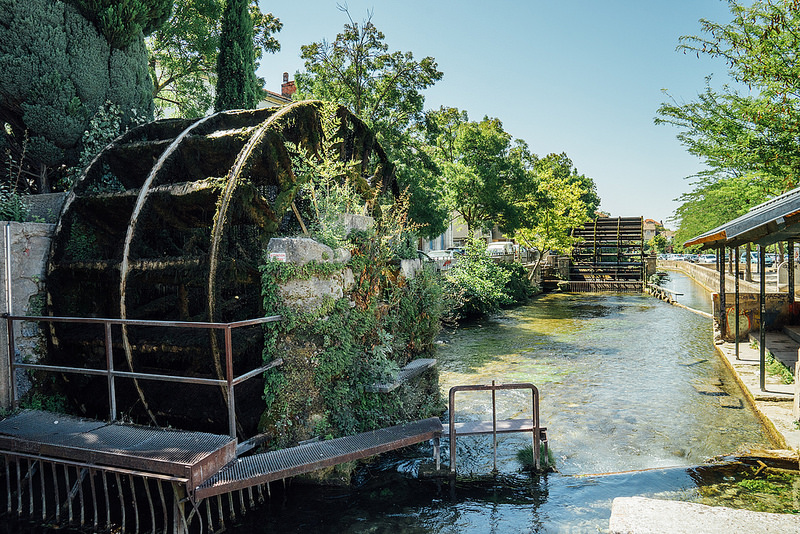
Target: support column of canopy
{"points": [[722, 315], [736, 292], [791, 265]]}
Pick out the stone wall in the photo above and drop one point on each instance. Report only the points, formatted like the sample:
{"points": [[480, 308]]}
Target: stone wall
{"points": [[779, 311], [30, 245], [307, 294]]}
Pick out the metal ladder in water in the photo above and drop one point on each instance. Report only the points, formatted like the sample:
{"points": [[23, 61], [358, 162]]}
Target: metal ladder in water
{"points": [[494, 427]]}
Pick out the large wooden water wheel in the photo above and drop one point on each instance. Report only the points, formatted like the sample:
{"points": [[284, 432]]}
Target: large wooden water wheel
{"points": [[170, 222]]}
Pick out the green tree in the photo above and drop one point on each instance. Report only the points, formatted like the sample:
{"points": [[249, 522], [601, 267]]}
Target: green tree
{"points": [[748, 142], [237, 87], [552, 209], [483, 182], [658, 243], [183, 53], [384, 89], [58, 71], [561, 166], [714, 203], [122, 22]]}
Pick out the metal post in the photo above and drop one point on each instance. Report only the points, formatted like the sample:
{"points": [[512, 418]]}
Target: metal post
{"points": [[112, 395], [8, 266], [12, 372], [494, 425], [791, 264], [536, 430], [736, 283], [723, 314], [762, 313], [452, 431], [748, 267], [229, 379]]}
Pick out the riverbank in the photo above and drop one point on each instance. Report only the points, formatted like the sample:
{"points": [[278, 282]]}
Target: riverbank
{"points": [[773, 406]]}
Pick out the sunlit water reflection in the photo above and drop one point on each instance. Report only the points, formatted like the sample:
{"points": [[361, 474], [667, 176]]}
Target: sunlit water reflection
{"points": [[616, 375]]}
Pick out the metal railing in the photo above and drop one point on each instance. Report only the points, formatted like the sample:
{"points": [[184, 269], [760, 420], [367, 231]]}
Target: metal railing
{"points": [[535, 427], [111, 374]]}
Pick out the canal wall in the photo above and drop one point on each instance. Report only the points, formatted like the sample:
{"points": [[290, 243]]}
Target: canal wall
{"points": [[29, 245], [779, 310]]}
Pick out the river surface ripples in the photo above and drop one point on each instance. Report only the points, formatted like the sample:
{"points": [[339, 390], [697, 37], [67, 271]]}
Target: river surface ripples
{"points": [[616, 375]]}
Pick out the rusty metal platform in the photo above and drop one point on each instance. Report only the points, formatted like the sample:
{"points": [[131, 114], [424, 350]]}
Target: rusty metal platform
{"points": [[193, 456], [275, 465]]}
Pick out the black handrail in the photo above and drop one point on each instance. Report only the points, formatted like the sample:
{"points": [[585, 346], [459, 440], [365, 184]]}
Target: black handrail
{"points": [[229, 382]]}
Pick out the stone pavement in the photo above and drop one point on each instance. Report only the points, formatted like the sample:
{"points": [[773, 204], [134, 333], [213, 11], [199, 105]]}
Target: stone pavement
{"points": [[639, 515], [774, 404]]}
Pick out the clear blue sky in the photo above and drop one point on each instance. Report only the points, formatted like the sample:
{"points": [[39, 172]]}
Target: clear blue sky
{"points": [[577, 76]]}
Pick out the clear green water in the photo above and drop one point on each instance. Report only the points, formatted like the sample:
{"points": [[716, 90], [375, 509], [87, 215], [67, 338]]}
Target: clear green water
{"points": [[615, 374]]}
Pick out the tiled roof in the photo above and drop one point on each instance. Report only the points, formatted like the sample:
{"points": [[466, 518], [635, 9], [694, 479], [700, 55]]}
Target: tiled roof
{"points": [[775, 220]]}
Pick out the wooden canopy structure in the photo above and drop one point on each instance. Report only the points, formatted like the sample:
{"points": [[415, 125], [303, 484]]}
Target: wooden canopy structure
{"points": [[772, 222]]}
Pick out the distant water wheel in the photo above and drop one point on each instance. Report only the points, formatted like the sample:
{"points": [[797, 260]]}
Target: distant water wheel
{"points": [[170, 222]]}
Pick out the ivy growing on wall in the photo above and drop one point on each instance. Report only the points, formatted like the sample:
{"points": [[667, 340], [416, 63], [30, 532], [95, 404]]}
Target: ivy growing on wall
{"points": [[334, 354]]}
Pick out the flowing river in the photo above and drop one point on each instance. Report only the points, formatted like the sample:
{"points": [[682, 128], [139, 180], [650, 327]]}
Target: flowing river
{"points": [[616, 375]]}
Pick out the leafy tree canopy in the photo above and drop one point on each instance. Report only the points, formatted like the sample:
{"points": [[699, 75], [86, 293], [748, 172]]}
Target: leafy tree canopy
{"points": [[58, 71], [558, 206], [183, 53], [483, 180], [384, 89], [358, 70], [122, 22], [237, 87], [748, 141], [714, 203]]}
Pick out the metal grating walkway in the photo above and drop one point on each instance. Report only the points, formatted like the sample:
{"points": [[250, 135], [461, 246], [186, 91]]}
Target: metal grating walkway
{"points": [[193, 456], [265, 467]]}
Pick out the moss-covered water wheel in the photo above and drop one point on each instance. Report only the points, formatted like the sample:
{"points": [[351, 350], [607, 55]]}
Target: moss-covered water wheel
{"points": [[170, 222]]}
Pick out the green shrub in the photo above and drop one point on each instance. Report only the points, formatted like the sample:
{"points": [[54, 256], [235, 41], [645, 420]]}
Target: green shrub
{"points": [[477, 284], [547, 461], [518, 287]]}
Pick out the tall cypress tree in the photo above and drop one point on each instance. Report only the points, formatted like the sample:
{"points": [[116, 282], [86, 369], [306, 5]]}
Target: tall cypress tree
{"points": [[236, 69]]}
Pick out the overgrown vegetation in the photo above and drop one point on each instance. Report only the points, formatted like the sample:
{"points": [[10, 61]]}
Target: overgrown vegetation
{"points": [[335, 352], [58, 71], [351, 343], [776, 368], [478, 286]]}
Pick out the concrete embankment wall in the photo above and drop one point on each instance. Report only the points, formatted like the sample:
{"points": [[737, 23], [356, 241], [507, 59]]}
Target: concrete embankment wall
{"points": [[779, 310], [29, 245]]}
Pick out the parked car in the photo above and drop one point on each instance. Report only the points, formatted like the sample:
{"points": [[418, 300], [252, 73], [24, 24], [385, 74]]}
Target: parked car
{"points": [[457, 251], [444, 259], [708, 258], [769, 259], [501, 251]]}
